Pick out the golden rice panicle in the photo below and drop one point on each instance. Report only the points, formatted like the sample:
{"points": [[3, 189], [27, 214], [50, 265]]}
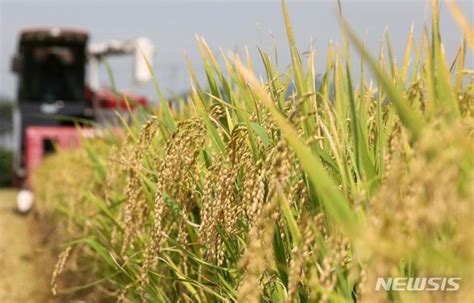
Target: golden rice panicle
{"points": [[279, 168], [136, 208], [299, 259], [315, 276], [416, 95], [59, 267], [122, 297], [253, 190], [268, 123], [371, 103], [298, 196], [216, 112], [314, 263], [175, 176], [240, 157], [466, 100], [337, 256], [258, 255], [222, 203], [395, 145], [209, 212]]}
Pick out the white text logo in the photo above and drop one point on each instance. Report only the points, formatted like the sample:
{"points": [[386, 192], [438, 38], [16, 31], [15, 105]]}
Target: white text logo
{"points": [[418, 284]]}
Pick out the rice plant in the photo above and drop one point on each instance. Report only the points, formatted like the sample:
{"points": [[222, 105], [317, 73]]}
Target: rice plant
{"points": [[248, 193]]}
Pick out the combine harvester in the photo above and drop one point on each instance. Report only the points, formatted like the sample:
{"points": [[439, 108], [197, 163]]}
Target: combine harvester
{"points": [[54, 97]]}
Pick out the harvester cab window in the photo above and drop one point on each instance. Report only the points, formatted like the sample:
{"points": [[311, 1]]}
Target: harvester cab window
{"points": [[53, 73], [49, 146]]}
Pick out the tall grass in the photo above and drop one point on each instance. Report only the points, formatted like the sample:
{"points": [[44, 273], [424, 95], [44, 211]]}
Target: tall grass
{"points": [[246, 194]]}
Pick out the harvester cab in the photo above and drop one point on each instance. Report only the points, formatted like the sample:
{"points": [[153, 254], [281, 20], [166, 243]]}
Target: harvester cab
{"points": [[50, 64], [53, 95]]}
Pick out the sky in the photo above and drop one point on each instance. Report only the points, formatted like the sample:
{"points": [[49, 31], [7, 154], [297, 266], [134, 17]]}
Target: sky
{"points": [[231, 25]]}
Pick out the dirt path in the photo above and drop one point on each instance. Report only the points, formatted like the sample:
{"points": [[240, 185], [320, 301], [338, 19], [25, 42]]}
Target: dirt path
{"points": [[22, 278]]}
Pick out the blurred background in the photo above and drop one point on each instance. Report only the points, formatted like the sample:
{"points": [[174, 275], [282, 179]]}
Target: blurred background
{"points": [[231, 25]]}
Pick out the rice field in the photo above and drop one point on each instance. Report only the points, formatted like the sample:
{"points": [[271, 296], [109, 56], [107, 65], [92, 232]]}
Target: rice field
{"points": [[280, 189]]}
